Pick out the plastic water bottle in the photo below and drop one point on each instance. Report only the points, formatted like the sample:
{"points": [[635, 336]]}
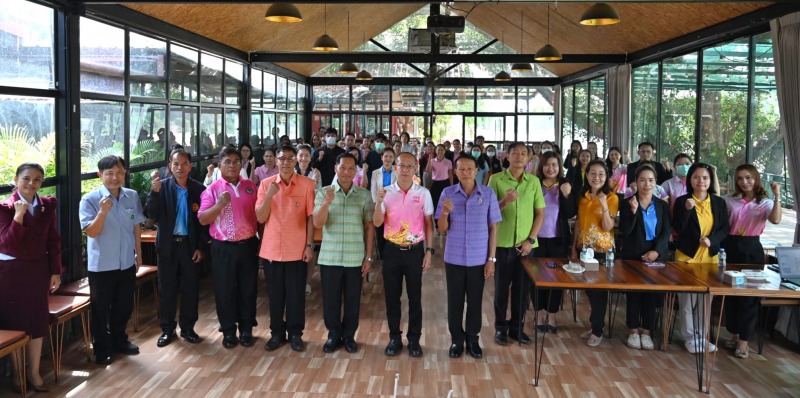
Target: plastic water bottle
{"points": [[583, 253], [610, 258], [723, 259]]}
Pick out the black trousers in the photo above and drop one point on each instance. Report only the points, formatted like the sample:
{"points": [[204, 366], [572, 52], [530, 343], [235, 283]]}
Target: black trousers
{"points": [[509, 277], [640, 311], [234, 266], [286, 282], [598, 301], [177, 273], [437, 186], [112, 305], [464, 281], [549, 299], [741, 313], [340, 284], [399, 265], [380, 240]]}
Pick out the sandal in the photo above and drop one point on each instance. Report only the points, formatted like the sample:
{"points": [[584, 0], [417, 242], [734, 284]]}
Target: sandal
{"points": [[594, 341], [586, 335]]}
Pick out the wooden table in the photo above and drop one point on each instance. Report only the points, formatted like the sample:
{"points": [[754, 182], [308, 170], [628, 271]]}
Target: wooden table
{"points": [[709, 274], [149, 236], [626, 275]]}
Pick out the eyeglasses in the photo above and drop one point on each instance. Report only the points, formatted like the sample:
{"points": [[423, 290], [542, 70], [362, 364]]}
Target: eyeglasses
{"points": [[405, 166], [282, 159], [232, 163]]}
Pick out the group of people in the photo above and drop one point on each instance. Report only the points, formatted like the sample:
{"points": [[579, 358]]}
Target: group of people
{"points": [[494, 209]]}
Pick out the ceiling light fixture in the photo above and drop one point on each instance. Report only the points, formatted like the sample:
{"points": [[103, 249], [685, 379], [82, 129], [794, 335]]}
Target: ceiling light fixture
{"points": [[348, 68], [363, 75], [502, 76], [522, 66], [548, 52], [283, 12], [600, 14], [325, 42]]}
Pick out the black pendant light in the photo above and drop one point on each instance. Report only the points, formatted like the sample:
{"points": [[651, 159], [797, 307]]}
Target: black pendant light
{"points": [[521, 66], [325, 42], [348, 68], [548, 52], [283, 12], [502, 76], [600, 14]]}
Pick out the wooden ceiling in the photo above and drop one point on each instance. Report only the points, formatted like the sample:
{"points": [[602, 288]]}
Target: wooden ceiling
{"points": [[643, 25]]}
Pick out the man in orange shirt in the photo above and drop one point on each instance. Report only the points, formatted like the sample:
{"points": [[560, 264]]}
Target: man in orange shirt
{"points": [[285, 204]]}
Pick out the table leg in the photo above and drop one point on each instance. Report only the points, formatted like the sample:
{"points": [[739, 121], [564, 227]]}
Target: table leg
{"points": [[669, 309], [713, 359], [538, 350]]}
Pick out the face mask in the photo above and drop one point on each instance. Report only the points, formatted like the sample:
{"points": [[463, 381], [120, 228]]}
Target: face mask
{"points": [[330, 140], [545, 150], [475, 154], [682, 169], [490, 153]]}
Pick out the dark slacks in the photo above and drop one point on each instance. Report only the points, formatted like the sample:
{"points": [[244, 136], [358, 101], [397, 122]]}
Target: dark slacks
{"points": [[741, 313], [399, 265], [549, 299], [286, 283], [509, 277], [640, 311], [177, 273], [340, 284], [380, 240], [112, 305], [464, 281], [234, 266], [598, 301]]}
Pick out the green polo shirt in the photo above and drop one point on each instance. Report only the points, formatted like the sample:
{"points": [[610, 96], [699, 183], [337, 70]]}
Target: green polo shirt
{"points": [[517, 215], [343, 233]]}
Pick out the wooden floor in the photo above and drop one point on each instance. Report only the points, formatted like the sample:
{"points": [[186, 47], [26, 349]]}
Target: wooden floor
{"points": [[570, 368]]}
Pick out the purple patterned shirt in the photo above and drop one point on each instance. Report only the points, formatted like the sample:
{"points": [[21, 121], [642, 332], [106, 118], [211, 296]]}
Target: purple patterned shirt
{"points": [[468, 236], [551, 199]]}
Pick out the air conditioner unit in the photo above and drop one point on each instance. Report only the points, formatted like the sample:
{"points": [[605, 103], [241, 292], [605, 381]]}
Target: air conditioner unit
{"points": [[419, 41]]}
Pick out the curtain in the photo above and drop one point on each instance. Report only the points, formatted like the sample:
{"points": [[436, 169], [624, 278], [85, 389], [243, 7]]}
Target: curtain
{"points": [[619, 106], [786, 48]]}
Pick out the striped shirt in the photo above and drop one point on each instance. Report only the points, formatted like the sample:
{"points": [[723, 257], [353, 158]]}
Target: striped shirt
{"points": [[343, 233]]}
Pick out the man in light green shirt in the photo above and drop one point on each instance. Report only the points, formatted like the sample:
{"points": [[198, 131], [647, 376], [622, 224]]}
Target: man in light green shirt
{"points": [[522, 206], [344, 212]]}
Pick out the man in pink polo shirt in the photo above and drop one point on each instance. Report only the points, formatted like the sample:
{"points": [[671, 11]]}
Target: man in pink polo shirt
{"points": [[407, 210], [285, 204], [228, 205]]}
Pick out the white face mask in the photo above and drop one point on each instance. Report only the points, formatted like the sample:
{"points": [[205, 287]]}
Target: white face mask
{"points": [[330, 140], [545, 150]]}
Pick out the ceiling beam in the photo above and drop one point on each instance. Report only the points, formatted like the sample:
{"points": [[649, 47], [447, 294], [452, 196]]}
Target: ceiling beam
{"points": [[401, 57], [447, 81], [393, 1]]}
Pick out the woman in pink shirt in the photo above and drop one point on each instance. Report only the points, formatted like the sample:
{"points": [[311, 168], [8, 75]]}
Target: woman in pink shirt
{"points": [[619, 172], [748, 212], [676, 186], [441, 170], [268, 169]]}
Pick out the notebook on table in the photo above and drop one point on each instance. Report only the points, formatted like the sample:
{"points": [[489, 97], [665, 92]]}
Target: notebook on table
{"points": [[789, 264]]}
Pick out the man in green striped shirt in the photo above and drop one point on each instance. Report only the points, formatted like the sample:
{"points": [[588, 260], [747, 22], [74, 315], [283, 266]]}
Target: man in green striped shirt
{"points": [[344, 212]]}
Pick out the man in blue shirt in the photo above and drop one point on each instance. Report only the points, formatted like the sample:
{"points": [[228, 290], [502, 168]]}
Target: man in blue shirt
{"points": [[110, 217]]}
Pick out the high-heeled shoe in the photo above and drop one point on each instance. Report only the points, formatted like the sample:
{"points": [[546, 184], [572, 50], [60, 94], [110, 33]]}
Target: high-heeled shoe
{"points": [[40, 388]]}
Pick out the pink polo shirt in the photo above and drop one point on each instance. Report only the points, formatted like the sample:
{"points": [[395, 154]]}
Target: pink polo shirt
{"points": [[404, 214], [748, 218], [440, 168], [285, 231], [237, 221]]}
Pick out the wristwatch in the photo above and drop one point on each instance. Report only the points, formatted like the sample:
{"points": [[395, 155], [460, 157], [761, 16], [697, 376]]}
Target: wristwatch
{"points": [[492, 259], [532, 241], [430, 250], [368, 259], [310, 245]]}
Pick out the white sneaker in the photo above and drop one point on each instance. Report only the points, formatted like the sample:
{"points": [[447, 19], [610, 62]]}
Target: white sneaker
{"points": [[698, 345], [647, 342], [634, 341], [308, 289]]}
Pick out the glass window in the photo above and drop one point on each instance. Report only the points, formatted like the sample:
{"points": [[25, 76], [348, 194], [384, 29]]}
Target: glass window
{"points": [[27, 133], [256, 86], [496, 99], [644, 105], [768, 151], [581, 116], [233, 82], [232, 126], [211, 78], [447, 127], [183, 128], [292, 95], [371, 98], [211, 129], [270, 137], [148, 66], [183, 73], [331, 98], [678, 104], [301, 97], [534, 99], [410, 99], [256, 128], [102, 57], [269, 90], [567, 104], [535, 128], [26, 45], [723, 129], [492, 128], [280, 93], [454, 99], [102, 132], [148, 130], [291, 121], [597, 114], [140, 182], [301, 127]]}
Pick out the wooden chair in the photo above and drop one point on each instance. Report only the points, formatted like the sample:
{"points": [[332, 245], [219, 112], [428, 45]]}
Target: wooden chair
{"points": [[75, 288], [62, 309], [146, 273], [12, 341]]}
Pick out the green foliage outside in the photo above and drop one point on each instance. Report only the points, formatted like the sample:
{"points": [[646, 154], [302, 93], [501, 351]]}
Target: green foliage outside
{"points": [[17, 147]]}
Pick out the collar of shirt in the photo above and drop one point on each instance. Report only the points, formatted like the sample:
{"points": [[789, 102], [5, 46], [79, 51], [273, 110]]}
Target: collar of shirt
{"points": [[383, 169], [414, 187], [31, 206], [525, 176], [475, 191], [105, 192], [279, 180]]}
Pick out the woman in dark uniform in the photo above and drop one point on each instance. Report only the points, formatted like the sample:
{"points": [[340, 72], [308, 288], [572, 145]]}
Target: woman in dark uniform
{"points": [[30, 262]]}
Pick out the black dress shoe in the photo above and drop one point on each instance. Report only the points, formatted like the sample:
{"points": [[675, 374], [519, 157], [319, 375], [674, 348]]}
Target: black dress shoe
{"points": [[474, 349], [246, 339], [40, 388], [127, 348], [394, 347], [297, 344], [166, 338], [275, 342], [552, 329], [541, 328], [103, 359], [521, 337], [229, 341], [456, 349], [331, 345], [190, 336], [414, 349], [350, 345], [501, 337]]}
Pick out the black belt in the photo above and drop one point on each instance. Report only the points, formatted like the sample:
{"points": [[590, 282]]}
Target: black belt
{"points": [[405, 247], [235, 242], [180, 238]]}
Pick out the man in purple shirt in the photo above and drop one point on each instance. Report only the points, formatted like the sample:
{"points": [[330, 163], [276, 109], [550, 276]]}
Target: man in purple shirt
{"points": [[467, 206]]}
